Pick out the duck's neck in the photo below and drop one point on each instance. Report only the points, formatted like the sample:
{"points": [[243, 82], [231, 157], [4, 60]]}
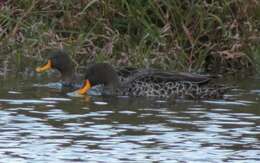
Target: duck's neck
{"points": [[69, 76]]}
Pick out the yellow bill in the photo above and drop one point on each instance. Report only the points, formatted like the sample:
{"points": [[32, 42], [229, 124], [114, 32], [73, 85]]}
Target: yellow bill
{"points": [[44, 67], [84, 88]]}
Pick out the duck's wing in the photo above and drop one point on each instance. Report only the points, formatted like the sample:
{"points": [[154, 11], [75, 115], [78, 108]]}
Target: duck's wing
{"points": [[181, 77], [152, 75], [126, 71]]}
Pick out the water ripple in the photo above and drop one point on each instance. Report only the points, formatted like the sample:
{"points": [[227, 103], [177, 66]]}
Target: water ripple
{"points": [[53, 127]]}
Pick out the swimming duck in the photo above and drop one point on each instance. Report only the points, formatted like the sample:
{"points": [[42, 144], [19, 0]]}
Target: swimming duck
{"points": [[150, 83], [59, 60]]}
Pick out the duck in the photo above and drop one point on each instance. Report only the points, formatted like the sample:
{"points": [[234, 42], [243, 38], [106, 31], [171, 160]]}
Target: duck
{"points": [[60, 60], [150, 82]]}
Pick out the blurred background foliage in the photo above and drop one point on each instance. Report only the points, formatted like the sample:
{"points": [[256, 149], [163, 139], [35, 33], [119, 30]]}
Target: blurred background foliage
{"points": [[185, 35]]}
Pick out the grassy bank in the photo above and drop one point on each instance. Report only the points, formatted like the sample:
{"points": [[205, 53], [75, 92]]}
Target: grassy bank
{"points": [[168, 34]]}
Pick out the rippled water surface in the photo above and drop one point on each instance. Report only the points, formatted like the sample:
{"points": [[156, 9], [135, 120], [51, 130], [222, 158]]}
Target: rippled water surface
{"points": [[39, 124]]}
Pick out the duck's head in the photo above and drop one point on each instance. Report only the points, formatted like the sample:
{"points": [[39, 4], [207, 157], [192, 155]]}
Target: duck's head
{"points": [[58, 60], [97, 74]]}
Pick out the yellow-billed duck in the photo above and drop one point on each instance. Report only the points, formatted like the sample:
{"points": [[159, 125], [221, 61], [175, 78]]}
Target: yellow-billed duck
{"points": [[150, 83], [59, 60]]}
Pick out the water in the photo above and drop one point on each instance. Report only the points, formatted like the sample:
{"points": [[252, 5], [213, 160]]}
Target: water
{"points": [[39, 124]]}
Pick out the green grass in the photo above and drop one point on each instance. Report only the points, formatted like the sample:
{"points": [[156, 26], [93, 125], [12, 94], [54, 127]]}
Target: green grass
{"points": [[168, 34]]}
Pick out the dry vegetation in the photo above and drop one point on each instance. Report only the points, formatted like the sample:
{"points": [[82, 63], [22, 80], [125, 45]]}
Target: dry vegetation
{"points": [[182, 35]]}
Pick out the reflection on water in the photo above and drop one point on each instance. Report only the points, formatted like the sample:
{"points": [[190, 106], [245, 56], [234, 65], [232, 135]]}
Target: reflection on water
{"points": [[46, 125]]}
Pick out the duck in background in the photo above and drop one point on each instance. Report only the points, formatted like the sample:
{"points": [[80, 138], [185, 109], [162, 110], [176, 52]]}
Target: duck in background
{"points": [[60, 60]]}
